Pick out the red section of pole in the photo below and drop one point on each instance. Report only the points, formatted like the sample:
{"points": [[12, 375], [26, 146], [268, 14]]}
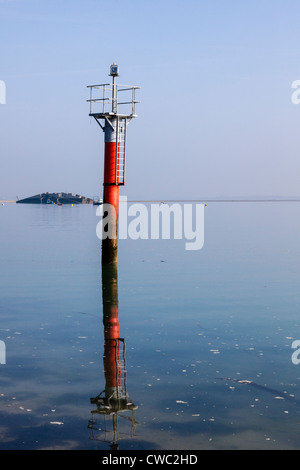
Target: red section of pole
{"points": [[111, 323], [111, 357], [111, 189], [110, 163], [112, 365], [111, 196], [111, 167]]}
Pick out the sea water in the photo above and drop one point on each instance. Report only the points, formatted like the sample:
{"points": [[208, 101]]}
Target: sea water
{"points": [[205, 336]]}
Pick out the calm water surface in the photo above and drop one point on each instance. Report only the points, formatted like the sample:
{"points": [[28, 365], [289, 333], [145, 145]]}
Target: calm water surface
{"points": [[205, 355]]}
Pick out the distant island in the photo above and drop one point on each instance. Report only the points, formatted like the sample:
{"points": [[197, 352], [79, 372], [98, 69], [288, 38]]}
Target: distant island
{"points": [[56, 198]]}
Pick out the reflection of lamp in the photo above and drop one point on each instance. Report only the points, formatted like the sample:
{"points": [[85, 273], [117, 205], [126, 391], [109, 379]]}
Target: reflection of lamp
{"points": [[114, 399]]}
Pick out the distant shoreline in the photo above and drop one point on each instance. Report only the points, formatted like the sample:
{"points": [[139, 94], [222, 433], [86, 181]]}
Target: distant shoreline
{"points": [[6, 201], [212, 200]]}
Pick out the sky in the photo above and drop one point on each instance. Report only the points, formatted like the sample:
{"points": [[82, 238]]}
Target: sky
{"points": [[216, 117]]}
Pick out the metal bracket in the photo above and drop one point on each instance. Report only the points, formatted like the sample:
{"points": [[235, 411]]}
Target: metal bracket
{"points": [[102, 127], [107, 120]]}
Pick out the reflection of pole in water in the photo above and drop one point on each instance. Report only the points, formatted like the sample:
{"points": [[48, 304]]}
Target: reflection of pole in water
{"points": [[113, 402]]}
